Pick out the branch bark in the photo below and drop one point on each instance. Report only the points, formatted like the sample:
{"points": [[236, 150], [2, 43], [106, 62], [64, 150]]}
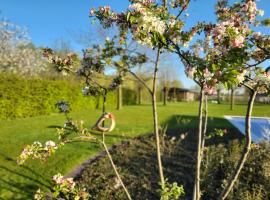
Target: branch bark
{"points": [[196, 193], [165, 94], [114, 167], [154, 109], [155, 119], [119, 97], [104, 103], [164, 3], [205, 122], [141, 81], [245, 152], [232, 99]]}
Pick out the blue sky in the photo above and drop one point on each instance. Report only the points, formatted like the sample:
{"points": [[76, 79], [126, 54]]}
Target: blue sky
{"points": [[51, 20]]}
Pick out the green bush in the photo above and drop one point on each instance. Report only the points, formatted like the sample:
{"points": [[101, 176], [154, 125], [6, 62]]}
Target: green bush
{"points": [[129, 97], [21, 97], [254, 179]]}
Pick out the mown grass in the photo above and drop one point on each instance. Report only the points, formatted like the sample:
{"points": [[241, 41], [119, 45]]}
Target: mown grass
{"points": [[20, 182]]}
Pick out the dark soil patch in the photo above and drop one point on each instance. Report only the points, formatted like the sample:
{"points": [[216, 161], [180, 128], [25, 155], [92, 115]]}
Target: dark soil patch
{"points": [[137, 164], [136, 161]]}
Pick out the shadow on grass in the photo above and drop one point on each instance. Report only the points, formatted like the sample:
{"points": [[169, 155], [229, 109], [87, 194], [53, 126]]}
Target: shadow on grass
{"points": [[19, 189], [54, 126], [21, 182], [136, 161]]}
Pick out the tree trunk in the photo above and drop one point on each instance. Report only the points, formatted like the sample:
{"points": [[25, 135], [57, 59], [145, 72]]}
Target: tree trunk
{"points": [[218, 96], [245, 152], [232, 99], [205, 122], [196, 193], [104, 103], [165, 96], [140, 95], [119, 97], [174, 94], [152, 92], [98, 102], [155, 120]]}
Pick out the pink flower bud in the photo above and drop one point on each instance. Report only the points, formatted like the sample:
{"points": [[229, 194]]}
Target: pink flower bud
{"points": [[251, 17], [107, 8], [238, 42]]}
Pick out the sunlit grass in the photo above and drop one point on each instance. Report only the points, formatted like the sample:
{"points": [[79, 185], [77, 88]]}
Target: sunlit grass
{"points": [[20, 182]]}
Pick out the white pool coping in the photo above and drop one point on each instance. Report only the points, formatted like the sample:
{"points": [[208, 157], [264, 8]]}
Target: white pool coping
{"points": [[230, 116]]}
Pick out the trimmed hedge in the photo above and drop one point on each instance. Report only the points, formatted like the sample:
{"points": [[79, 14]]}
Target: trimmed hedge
{"points": [[21, 97], [129, 97]]}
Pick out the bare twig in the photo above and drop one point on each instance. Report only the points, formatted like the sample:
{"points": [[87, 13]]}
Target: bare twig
{"points": [[135, 76], [141, 81], [260, 47], [114, 167], [183, 9], [259, 62]]}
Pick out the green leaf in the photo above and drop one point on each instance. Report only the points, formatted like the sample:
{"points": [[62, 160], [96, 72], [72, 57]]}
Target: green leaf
{"points": [[163, 40], [266, 22], [128, 16], [132, 19], [214, 66]]}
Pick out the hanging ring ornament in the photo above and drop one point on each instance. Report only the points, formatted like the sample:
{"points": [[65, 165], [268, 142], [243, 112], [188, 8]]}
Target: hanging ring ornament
{"points": [[99, 124]]}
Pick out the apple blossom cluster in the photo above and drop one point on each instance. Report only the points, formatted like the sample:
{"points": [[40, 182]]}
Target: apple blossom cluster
{"points": [[262, 42], [145, 24], [261, 83], [92, 61], [149, 23], [207, 79], [233, 28], [227, 60], [228, 30], [179, 3], [190, 71], [63, 65], [241, 77], [210, 71], [64, 188], [37, 151], [96, 60]]}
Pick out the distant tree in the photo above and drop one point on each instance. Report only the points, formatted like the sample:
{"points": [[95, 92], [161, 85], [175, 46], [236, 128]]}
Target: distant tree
{"points": [[17, 54], [62, 46], [168, 79], [232, 99], [176, 83]]}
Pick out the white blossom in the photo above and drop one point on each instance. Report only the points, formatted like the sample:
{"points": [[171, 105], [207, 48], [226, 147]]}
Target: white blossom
{"points": [[17, 55]]}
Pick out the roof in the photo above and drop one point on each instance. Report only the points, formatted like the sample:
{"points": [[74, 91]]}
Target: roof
{"points": [[179, 90]]}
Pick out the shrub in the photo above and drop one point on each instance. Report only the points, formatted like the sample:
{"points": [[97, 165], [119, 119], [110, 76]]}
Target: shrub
{"points": [[129, 97], [22, 97], [254, 180]]}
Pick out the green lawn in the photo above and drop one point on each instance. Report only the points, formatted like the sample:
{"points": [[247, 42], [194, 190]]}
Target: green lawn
{"points": [[20, 182]]}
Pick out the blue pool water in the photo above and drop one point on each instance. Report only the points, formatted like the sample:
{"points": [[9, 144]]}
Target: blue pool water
{"points": [[260, 127]]}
